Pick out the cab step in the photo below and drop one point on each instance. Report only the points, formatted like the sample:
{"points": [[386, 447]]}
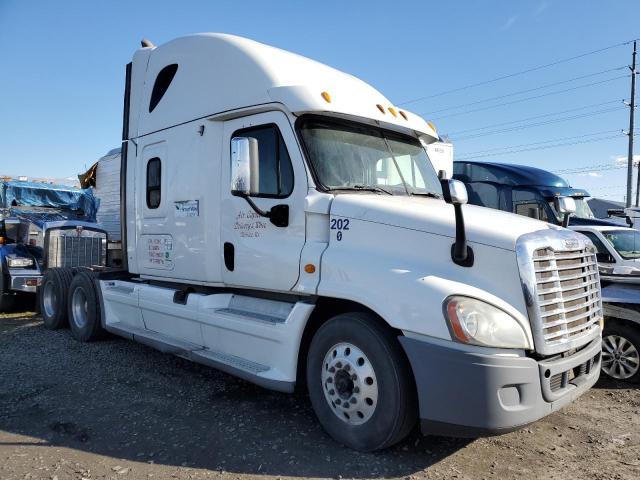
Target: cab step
{"points": [[271, 311], [240, 367]]}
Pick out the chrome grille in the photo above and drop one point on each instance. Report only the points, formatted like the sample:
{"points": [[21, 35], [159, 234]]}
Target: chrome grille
{"points": [[70, 248], [568, 294]]}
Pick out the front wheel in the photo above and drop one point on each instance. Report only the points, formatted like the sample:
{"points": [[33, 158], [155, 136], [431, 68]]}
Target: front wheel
{"points": [[360, 383], [621, 352]]}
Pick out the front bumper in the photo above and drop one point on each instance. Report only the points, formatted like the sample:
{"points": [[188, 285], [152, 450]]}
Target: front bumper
{"points": [[467, 393], [24, 280]]}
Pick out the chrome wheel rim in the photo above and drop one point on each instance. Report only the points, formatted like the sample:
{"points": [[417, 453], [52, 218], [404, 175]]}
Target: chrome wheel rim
{"points": [[49, 299], [620, 358], [79, 308], [349, 384]]}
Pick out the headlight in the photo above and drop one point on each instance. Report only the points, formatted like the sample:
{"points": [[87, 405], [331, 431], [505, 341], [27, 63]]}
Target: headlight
{"points": [[475, 322], [17, 262]]}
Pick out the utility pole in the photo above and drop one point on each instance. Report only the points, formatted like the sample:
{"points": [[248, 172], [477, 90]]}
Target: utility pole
{"points": [[632, 107]]}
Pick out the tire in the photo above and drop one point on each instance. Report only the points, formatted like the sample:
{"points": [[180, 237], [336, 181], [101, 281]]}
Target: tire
{"points": [[355, 361], [621, 352], [53, 297], [84, 308]]}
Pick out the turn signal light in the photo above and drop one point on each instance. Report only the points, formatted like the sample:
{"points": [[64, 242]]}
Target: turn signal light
{"points": [[2, 241], [310, 268], [326, 96]]}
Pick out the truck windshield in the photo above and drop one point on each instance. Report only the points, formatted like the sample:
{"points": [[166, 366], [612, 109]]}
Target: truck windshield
{"points": [[353, 156], [583, 210], [626, 242]]}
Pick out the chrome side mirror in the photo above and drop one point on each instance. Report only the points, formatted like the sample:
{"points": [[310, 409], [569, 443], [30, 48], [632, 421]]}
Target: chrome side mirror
{"points": [[455, 192], [245, 161], [565, 205]]}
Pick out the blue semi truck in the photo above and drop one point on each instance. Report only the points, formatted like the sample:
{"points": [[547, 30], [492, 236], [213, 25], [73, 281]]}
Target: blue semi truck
{"points": [[43, 226], [524, 190]]}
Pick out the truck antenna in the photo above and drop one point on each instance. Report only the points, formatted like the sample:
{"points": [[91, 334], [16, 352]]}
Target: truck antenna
{"points": [[146, 43]]}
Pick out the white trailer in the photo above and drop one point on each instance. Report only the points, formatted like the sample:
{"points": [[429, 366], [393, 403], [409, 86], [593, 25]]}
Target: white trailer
{"points": [[282, 221]]}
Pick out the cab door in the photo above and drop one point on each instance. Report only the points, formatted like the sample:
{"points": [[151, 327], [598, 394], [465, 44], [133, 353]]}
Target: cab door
{"points": [[257, 253]]}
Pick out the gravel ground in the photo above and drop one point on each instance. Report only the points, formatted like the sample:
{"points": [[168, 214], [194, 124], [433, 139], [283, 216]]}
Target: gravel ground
{"points": [[117, 409]]}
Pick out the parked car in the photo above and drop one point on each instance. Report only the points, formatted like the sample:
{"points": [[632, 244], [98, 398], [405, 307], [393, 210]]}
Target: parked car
{"points": [[618, 254]]}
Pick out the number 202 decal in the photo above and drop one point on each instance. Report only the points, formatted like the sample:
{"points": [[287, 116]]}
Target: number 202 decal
{"points": [[339, 224]]}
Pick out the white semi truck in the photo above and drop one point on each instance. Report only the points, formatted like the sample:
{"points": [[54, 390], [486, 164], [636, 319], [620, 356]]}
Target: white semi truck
{"points": [[282, 221]]}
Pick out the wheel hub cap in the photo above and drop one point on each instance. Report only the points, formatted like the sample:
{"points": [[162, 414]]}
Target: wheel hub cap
{"points": [[79, 308], [349, 383], [49, 299], [620, 358]]}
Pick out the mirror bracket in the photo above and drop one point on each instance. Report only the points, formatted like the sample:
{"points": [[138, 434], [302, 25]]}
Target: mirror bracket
{"points": [[455, 193]]}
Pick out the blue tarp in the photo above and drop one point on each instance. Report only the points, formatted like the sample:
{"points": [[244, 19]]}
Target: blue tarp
{"points": [[60, 197]]}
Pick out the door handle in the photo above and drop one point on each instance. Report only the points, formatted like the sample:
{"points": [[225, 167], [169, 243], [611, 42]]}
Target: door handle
{"points": [[229, 253]]}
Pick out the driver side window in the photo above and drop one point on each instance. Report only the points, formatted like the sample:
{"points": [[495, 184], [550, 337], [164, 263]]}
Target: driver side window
{"points": [[275, 177]]}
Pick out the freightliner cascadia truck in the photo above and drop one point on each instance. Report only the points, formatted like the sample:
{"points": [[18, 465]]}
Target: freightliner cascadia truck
{"points": [[282, 221]]}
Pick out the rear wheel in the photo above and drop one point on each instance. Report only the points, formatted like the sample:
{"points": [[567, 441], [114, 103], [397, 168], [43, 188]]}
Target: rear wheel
{"points": [[621, 352], [360, 383], [53, 297], [84, 308]]}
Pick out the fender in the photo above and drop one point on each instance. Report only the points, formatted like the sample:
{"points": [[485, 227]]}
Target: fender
{"points": [[413, 273]]}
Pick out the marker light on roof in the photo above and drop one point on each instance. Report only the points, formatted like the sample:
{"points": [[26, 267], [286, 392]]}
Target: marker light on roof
{"points": [[326, 96], [433, 127], [393, 111], [404, 115], [381, 108]]}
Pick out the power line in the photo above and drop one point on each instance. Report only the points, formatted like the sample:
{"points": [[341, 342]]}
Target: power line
{"points": [[525, 91], [539, 148], [591, 168], [535, 117], [542, 142], [515, 74], [538, 124], [556, 92]]}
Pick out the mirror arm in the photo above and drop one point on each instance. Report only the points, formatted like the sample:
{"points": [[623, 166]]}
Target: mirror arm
{"points": [[255, 208], [565, 220], [461, 253], [278, 215]]}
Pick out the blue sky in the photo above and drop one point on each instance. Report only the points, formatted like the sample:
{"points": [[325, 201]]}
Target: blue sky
{"points": [[63, 63]]}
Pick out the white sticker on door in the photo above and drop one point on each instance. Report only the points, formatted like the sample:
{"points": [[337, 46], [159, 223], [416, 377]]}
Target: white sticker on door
{"points": [[158, 251], [187, 208]]}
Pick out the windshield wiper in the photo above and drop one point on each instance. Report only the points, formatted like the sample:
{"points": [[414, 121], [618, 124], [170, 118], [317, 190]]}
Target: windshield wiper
{"points": [[426, 194], [364, 188]]}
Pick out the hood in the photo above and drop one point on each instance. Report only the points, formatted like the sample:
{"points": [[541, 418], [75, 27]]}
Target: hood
{"points": [[430, 215], [585, 222]]}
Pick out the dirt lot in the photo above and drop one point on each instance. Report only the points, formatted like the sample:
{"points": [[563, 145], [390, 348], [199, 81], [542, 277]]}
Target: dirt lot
{"points": [[116, 409]]}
